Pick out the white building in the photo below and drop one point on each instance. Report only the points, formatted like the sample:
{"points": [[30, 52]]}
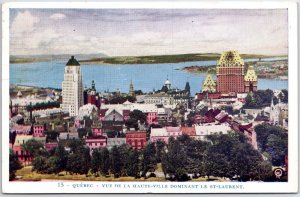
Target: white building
{"points": [[72, 88], [87, 110], [163, 134], [160, 99], [145, 108], [115, 142], [209, 129]]}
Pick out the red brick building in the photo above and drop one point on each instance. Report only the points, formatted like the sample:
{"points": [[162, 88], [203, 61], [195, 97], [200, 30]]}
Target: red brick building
{"points": [[136, 139], [230, 73], [97, 131], [96, 142], [38, 130], [23, 156]]}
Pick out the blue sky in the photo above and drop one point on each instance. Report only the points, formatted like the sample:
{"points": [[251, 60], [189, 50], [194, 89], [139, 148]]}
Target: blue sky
{"points": [[134, 32]]}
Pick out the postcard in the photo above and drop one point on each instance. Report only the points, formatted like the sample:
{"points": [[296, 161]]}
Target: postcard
{"points": [[150, 97]]}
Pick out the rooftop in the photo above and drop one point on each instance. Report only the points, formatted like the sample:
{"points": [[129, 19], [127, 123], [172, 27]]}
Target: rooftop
{"points": [[73, 62]]}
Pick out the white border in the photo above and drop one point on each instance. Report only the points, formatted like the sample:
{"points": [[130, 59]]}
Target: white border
{"points": [[249, 187]]}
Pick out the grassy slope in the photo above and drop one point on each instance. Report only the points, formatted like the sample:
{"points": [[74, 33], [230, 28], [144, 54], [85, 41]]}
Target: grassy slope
{"points": [[28, 175]]}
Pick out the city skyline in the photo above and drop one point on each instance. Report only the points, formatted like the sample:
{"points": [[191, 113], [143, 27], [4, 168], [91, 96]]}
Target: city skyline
{"points": [[134, 32]]}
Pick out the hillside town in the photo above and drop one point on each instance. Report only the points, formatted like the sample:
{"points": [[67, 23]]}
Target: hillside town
{"points": [[229, 103]]}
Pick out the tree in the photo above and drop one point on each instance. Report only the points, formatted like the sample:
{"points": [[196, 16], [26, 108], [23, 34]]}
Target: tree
{"points": [[124, 151], [120, 99], [62, 157], [135, 117], [277, 147], [76, 144], [52, 165], [195, 157], [216, 164], [264, 171], [74, 163], [133, 167], [160, 146], [82, 132], [231, 155], [87, 121], [33, 147], [259, 98], [174, 161], [285, 97], [105, 161], [96, 162], [79, 161], [245, 161], [115, 162], [132, 123], [14, 165], [51, 136], [263, 131], [86, 164], [138, 115], [218, 155], [39, 164], [12, 137], [148, 159]]}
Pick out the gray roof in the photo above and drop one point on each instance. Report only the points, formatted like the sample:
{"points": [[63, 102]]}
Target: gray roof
{"points": [[73, 62]]}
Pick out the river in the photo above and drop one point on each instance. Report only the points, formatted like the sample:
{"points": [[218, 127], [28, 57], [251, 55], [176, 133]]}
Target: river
{"points": [[145, 77]]}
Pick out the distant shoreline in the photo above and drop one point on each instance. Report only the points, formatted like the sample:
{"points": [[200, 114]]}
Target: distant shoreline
{"points": [[273, 72], [155, 59]]}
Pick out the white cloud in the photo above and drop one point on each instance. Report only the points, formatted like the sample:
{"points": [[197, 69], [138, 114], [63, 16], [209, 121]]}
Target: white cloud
{"points": [[57, 16], [20, 26], [248, 34]]}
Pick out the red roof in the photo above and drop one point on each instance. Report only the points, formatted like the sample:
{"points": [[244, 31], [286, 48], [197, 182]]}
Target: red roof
{"points": [[173, 129], [126, 112], [190, 131], [102, 112], [95, 137]]}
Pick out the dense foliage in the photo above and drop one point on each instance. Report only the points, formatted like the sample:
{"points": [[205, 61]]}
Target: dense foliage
{"points": [[273, 141], [121, 99], [44, 105], [229, 156], [262, 98], [135, 117], [14, 165], [259, 98]]}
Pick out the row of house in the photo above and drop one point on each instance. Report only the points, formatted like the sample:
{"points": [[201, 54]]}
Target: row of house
{"points": [[136, 139], [197, 132]]}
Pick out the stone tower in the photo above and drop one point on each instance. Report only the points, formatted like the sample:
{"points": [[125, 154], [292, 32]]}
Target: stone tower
{"points": [[72, 88]]}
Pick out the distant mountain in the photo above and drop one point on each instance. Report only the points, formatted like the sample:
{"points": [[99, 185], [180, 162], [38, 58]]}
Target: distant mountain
{"points": [[60, 57]]}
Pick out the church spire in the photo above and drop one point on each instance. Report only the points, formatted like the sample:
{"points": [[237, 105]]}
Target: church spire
{"points": [[131, 92], [272, 103], [93, 85]]}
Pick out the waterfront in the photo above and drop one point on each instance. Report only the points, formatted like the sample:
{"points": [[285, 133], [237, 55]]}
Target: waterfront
{"points": [[145, 77]]}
